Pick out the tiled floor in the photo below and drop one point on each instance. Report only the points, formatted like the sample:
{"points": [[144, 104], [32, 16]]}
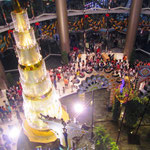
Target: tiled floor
{"points": [[68, 90]]}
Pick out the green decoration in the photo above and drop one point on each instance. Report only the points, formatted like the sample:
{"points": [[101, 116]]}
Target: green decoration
{"points": [[103, 140]]}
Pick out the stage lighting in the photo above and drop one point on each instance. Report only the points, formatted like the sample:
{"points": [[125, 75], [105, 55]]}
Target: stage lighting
{"points": [[79, 108]]}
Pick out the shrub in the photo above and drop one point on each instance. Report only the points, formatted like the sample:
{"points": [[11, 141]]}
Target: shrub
{"points": [[134, 111], [103, 140]]}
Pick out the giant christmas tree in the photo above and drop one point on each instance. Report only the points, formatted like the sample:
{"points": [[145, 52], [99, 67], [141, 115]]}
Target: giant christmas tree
{"points": [[38, 92]]}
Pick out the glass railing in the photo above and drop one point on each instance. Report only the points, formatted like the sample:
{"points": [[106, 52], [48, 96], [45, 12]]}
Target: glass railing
{"points": [[34, 8], [146, 4], [38, 7], [5, 9], [89, 4], [2, 21], [75, 4]]}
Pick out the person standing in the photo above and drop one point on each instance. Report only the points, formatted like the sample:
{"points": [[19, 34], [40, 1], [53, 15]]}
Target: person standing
{"points": [[18, 117], [79, 57], [55, 84]]}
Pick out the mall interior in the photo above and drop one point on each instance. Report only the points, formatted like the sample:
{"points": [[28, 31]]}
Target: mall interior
{"points": [[74, 75]]}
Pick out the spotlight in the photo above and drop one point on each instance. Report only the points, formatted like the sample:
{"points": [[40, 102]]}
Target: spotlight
{"points": [[14, 132], [78, 108]]}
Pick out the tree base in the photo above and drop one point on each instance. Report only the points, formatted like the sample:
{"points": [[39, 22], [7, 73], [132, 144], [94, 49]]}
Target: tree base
{"points": [[25, 144]]}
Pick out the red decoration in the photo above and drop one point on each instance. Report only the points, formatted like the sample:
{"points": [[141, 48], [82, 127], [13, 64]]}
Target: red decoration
{"points": [[37, 23], [10, 31], [86, 16], [107, 15]]}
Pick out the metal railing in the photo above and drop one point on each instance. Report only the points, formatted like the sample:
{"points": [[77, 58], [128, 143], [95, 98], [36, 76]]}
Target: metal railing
{"points": [[16, 70], [49, 16], [144, 51]]}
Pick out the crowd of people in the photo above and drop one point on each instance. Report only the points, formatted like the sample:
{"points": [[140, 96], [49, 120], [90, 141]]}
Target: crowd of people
{"points": [[11, 108], [13, 103], [70, 74], [78, 67]]}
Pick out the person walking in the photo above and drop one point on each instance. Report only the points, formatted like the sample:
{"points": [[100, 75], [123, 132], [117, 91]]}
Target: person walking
{"points": [[66, 82]]}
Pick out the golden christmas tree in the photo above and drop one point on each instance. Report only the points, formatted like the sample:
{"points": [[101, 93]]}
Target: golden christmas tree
{"points": [[38, 93]]}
